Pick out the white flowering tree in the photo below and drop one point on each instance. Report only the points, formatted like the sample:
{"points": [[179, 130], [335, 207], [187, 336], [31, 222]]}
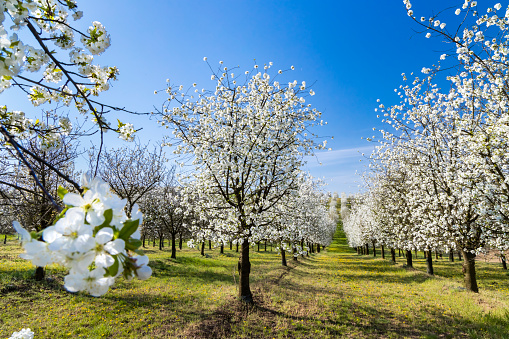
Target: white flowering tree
{"points": [[164, 205], [450, 145], [247, 139]]}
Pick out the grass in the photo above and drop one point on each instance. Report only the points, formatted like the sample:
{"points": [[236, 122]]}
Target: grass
{"points": [[333, 294]]}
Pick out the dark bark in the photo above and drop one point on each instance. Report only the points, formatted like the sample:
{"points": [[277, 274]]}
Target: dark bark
{"points": [[203, 249], [210, 245], [294, 256], [393, 255], [367, 249], [357, 249], [244, 270], [469, 271], [504, 262], [451, 256], [383, 251], [173, 246], [161, 243], [409, 258], [283, 257], [258, 246], [459, 255], [144, 241], [374, 250], [39, 273], [415, 254], [5, 239], [180, 242], [237, 247], [399, 252], [154, 242], [222, 249], [429, 263], [318, 248], [265, 245], [436, 255]]}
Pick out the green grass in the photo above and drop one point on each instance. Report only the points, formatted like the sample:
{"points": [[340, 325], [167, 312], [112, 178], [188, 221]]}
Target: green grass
{"points": [[333, 294]]}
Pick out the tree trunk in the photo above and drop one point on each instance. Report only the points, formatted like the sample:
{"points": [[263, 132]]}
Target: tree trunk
{"points": [[144, 241], [374, 250], [409, 258], [393, 255], [459, 255], [258, 246], [160, 243], [367, 249], [357, 250], [154, 242], [173, 246], [469, 271], [222, 249], [237, 247], [399, 252], [5, 240], [230, 245], [429, 263], [436, 255], [244, 270], [504, 263], [265, 245], [203, 248], [210, 245], [283, 257], [318, 248], [39, 273], [415, 254], [180, 242], [383, 251], [451, 256], [294, 252]]}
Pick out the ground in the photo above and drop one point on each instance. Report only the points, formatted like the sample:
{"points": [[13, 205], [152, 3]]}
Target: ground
{"points": [[333, 294]]}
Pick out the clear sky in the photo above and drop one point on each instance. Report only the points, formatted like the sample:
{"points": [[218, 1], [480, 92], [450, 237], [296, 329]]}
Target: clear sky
{"points": [[354, 52]]}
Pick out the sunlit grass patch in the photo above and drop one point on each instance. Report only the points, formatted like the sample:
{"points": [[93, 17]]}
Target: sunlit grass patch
{"points": [[334, 294]]}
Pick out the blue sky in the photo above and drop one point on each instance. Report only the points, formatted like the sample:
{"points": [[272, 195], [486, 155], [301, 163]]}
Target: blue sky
{"points": [[353, 51]]}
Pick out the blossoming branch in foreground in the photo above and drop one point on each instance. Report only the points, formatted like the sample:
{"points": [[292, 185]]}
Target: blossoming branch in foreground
{"points": [[92, 237]]}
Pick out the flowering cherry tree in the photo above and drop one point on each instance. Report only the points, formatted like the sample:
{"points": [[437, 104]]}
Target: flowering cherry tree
{"points": [[247, 139], [449, 147]]}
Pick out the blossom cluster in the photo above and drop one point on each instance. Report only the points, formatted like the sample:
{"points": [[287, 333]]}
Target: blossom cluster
{"points": [[62, 80], [93, 238], [25, 333]]}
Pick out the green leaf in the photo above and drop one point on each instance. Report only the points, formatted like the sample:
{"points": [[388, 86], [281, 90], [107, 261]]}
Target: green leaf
{"points": [[130, 226], [133, 244], [61, 191], [108, 216], [113, 269]]}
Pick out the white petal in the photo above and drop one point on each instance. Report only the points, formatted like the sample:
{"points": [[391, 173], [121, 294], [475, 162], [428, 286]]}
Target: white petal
{"points": [[25, 235], [104, 235], [104, 260], [144, 272], [115, 247], [50, 234], [73, 199]]}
